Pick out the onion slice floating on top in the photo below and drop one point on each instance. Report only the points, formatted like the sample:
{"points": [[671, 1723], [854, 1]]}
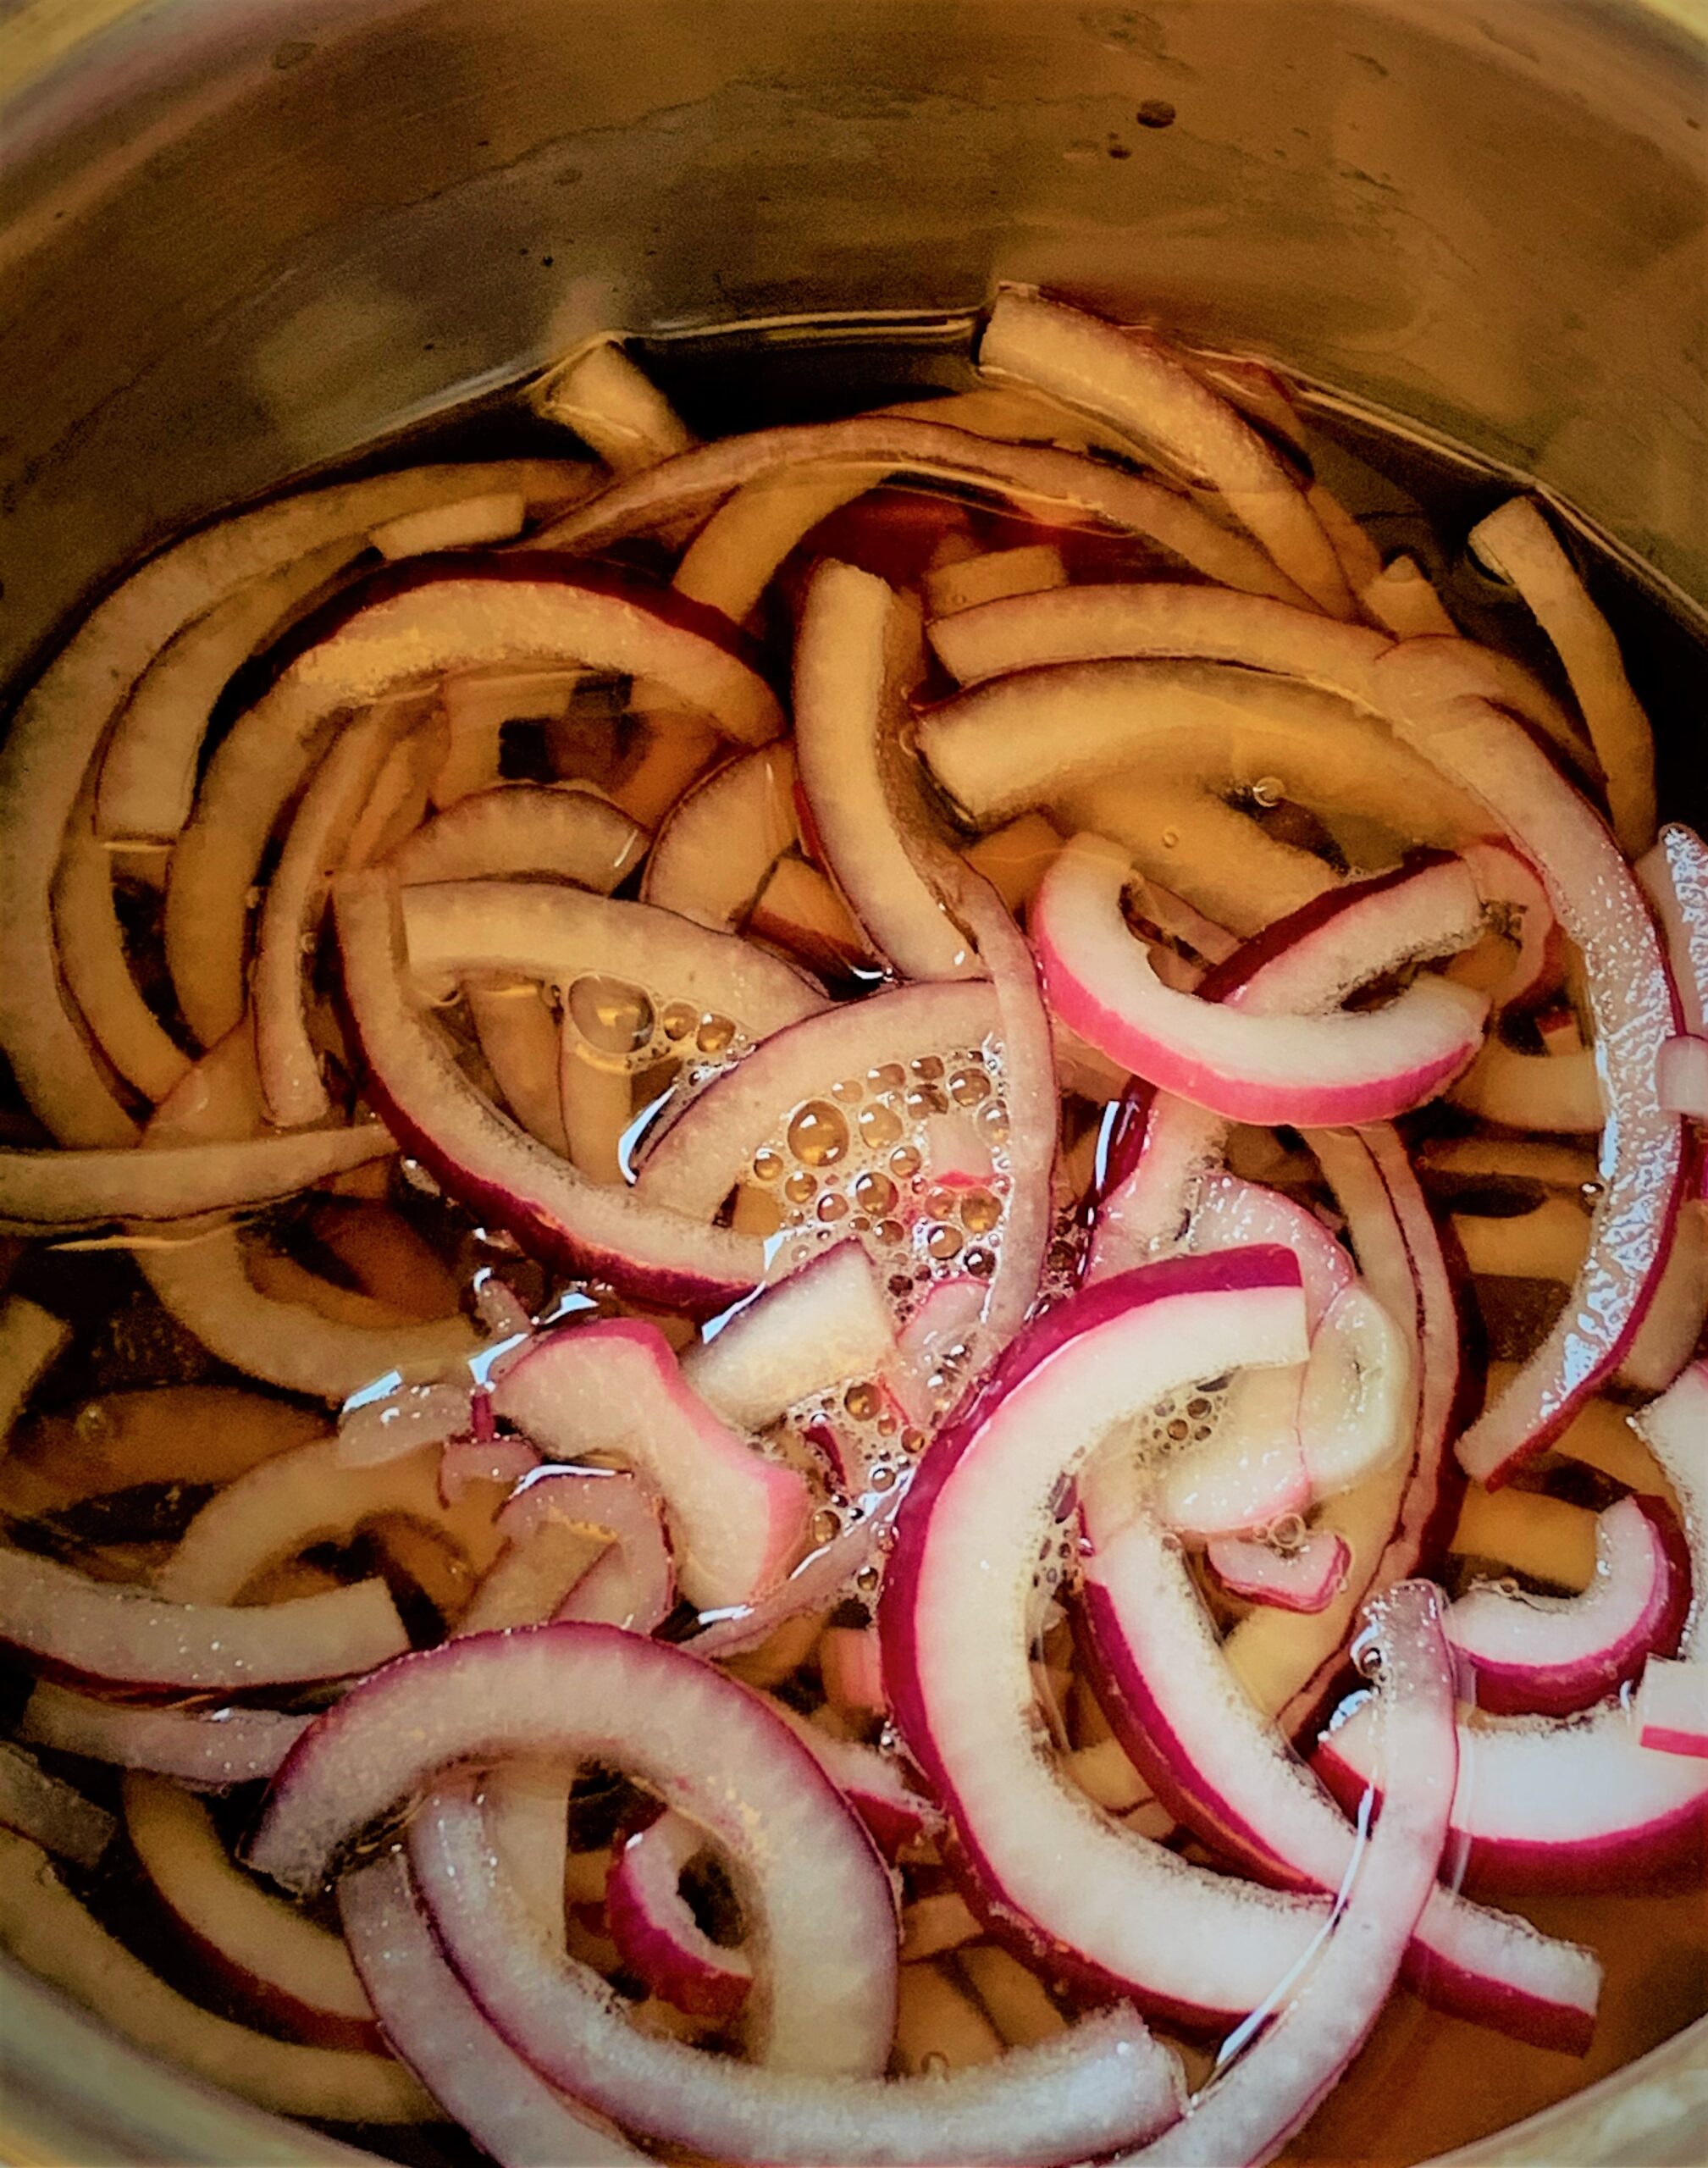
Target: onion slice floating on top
{"points": [[205, 1750], [1095, 1899], [721, 838], [1268, 1068], [492, 1166], [827, 1325], [653, 1926], [1248, 2112], [523, 827]]}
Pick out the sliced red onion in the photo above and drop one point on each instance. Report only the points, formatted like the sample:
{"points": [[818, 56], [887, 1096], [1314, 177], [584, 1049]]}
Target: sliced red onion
{"points": [[114, 1635], [1136, 384], [886, 445], [1058, 2102], [499, 516], [652, 1924], [1355, 1067], [1217, 1766], [49, 1811], [521, 1039], [433, 2027], [1518, 541], [46, 1930], [814, 1585], [208, 1749], [1672, 1707], [312, 1494], [614, 407], [95, 965], [827, 1324], [1359, 1397], [463, 1461], [1251, 2109], [1633, 1012], [992, 576], [1305, 1577], [856, 658], [1397, 1521], [1402, 597], [1563, 1094], [1675, 1430], [708, 1149], [559, 934], [738, 1519], [1092, 1896], [1674, 875], [287, 928], [947, 1317], [868, 1778], [851, 1666], [1518, 903], [175, 1181], [531, 1581], [723, 835], [385, 649], [32, 1339], [522, 827], [1548, 1803], [1681, 1077], [290, 1971], [1248, 1473], [632, 1583], [494, 1167], [1227, 1213], [1551, 1654]]}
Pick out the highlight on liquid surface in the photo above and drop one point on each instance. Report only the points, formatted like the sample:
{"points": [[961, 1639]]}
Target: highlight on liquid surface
{"points": [[853, 1276]]}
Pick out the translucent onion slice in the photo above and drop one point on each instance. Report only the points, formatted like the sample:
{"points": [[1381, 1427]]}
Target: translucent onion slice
{"points": [[1633, 1012], [1029, 473], [494, 1167], [614, 407], [1674, 875], [575, 835], [1251, 2109], [1306, 1578], [826, 1325], [30, 1340], [97, 967], [1402, 597], [45, 1928], [541, 930], [521, 1037], [1136, 382], [1518, 542], [653, 1925], [1672, 1707], [722, 837], [434, 2026], [49, 1811], [208, 1749]]}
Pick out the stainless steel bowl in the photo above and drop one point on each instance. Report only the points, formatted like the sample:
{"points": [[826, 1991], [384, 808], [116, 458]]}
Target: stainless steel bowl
{"points": [[242, 236]]}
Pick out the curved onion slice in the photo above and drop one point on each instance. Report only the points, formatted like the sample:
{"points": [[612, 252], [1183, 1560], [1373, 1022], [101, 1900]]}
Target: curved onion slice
{"points": [[389, 648], [49, 1811], [435, 2028], [653, 1925], [1395, 1522], [1267, 1068], [496, 1168], [57, 729], [1674, 875], [287, 926], [499, 516], [721, 838], [176, 1182], [1217, 1766], [1096, 1898], [869, 1779], [614, 407], [1402, 597], [1633, 1012], [521, 1038], [1672, 1707], [1249, 2111], [632, 1582], [1555, 1653], [1064, 2101], [522, 827], [30, 1340], [886, 444], [1518, 541], [1563, 1094], [856, 656], [115, 1635], [1306, 1578], [306, 1496], [738, 1519], [97, 966], [1136, 382], [699, 1159], [1248, 1473], [542, 931], [45, 1928], [208, 1749], [287, 1967], [826, 1325]]}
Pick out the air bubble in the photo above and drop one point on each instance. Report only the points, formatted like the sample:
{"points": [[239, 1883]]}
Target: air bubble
{"points": [[1267, 791], [1170, 837], [905, 1162], [801, 1188], [879, 1126], [875, 1193], [1288, 1533], [940, 1204], [1198, 1406], [881, 1476], [715, 1035], [679, 1019], [889, 1078], [868, 1580], [826, 1525], [831, 1206], [980, 1211], [848, 1089], [926, 1099], [913, 1440], [943, 1244], [612, 1017], [891, 1231], [993, 1121], [967, 1086], [901, 1283], [980, 1262], [927, 1065], [863, 1401], [818, 1135], [94, 1424], [767, 1165], [1179, 1431]]}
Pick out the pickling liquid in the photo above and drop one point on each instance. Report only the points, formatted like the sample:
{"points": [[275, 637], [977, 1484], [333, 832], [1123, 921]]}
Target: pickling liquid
{"points": [[1424, 2083]]}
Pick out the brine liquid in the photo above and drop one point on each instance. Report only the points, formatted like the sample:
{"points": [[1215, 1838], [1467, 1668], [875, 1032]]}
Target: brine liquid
{"points": [[1424, 2083]]}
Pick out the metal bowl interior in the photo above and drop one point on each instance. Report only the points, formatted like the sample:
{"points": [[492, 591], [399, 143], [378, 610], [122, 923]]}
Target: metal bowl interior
{"points": [[241, 241]]}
